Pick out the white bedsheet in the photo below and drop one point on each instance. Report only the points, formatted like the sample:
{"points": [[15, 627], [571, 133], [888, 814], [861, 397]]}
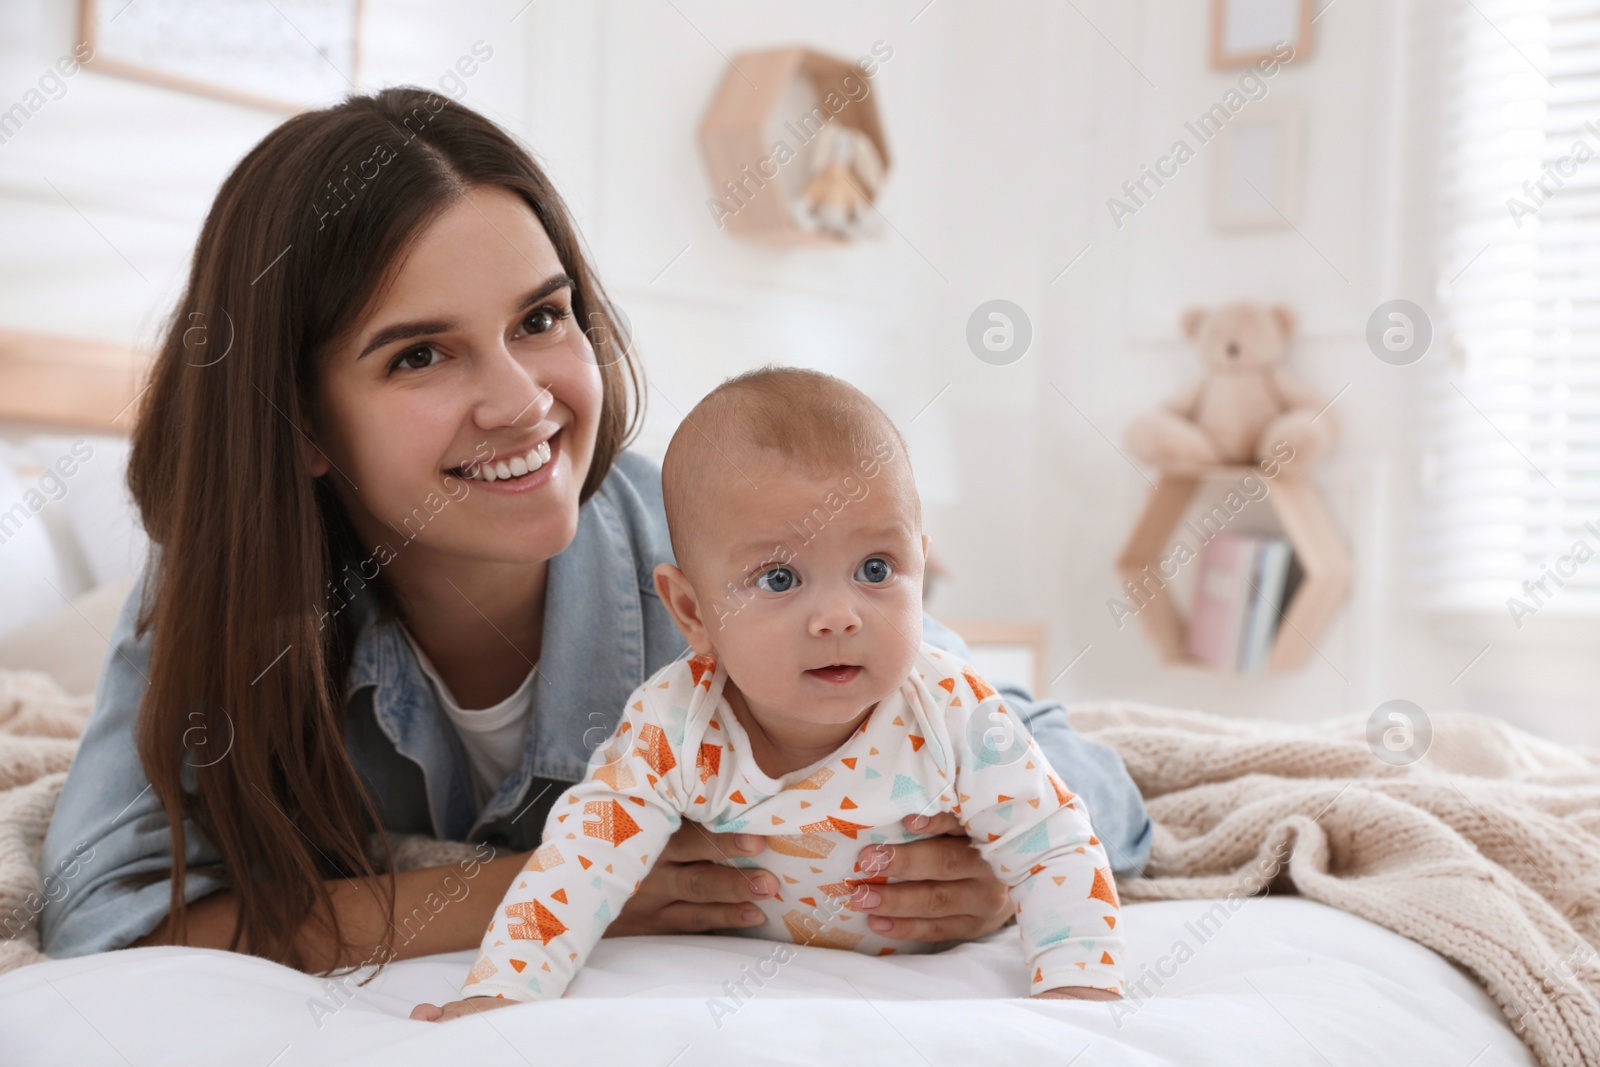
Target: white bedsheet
{"points": [[1281, 980]]}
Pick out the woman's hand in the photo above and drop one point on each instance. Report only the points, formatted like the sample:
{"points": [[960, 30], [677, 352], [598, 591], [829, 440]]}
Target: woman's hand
{"points": [[687, 893], [949, 891], [434, 1013]]}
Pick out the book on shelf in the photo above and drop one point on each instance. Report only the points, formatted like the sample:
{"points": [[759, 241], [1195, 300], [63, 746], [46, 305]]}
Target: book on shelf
{"points": [[1244, 584]]}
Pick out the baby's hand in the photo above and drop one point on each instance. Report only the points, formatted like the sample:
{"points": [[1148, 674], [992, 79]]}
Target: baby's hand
{"points": [[1077, 992], [433, 1013]]}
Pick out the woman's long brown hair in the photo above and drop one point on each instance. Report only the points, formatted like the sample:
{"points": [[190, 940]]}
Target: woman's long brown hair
{"points": [[241, 728]]}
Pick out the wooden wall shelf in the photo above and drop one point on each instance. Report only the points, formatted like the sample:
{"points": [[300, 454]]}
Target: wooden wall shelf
{"points": [[736, 136], [1312, 534]]}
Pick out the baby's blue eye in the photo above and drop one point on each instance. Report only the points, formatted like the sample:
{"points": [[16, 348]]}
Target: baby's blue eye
{"points": [[778, 580], [874, 570]]}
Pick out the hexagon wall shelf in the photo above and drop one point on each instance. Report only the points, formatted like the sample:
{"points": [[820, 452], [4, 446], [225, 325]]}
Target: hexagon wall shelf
{"points": [[1311, 532], [736, 138]]}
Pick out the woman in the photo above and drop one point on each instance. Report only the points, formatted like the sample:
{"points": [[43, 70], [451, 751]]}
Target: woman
{"points": [[402, 577]]}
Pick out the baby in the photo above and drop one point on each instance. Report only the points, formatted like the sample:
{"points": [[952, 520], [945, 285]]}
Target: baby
{"points": [[811, 712]]}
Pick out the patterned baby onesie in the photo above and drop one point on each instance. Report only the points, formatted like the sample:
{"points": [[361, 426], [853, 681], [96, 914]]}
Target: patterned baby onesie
{"points": [[942, 742]]}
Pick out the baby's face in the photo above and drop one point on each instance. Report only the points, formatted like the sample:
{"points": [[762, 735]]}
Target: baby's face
{"points": [[811, 587]]}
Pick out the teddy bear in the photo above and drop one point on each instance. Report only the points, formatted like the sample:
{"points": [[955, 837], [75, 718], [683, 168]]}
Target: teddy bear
{"points": [[1247, 409]]}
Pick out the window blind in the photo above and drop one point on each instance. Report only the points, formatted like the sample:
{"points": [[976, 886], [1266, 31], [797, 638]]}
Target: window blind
{"points": [[1510, 515]]}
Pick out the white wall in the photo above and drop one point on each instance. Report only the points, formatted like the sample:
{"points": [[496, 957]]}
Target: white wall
{"points": [[1010, 125]]}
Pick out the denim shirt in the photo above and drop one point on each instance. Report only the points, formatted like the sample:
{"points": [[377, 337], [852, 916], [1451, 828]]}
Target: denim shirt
{"points": [[605, 632]]}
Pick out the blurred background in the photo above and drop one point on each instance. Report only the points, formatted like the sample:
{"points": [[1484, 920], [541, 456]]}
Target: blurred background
{"points": [[1003, 262]]}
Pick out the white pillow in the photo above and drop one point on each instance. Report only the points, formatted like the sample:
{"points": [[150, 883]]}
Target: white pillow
{"points": [[99, 511], [30, 580]]}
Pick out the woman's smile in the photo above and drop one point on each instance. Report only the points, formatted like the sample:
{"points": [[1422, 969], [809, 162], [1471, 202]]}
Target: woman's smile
{"points": [[522, 472]]}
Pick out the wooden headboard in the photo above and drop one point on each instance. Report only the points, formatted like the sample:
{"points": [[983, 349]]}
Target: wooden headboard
{"points": [[69, 381]]}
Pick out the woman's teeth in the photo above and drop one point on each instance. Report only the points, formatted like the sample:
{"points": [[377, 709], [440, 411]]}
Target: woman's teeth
{"points": [[515, 467]]}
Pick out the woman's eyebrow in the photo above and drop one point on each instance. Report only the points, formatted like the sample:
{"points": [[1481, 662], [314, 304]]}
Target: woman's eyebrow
{"points": [[402, 331]]}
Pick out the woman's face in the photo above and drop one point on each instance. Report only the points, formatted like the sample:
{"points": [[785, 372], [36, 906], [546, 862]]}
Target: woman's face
{"points": [[472, 363]]}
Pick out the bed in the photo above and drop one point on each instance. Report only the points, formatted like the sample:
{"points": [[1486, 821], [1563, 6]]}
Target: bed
{"points": [[1294, 976], [1283, 981]]}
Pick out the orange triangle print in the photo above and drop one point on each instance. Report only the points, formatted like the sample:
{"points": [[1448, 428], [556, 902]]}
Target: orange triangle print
{"points": [[518, 965], [538, 922], [1063, 795], [1103, 889], [979, 686]]}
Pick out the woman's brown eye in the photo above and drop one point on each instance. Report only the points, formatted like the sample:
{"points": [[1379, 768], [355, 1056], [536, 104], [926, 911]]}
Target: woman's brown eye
{"points": [[405, 359], [545, 319]]}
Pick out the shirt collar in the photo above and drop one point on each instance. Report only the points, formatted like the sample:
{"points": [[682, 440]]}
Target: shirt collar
{"points": [[592, 657]]}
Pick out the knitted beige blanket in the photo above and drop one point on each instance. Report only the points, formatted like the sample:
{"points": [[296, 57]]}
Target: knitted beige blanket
{"points": [[39, 728], [1486, 850]]}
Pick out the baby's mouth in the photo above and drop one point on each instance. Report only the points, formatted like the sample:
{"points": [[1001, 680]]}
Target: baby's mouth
{"points": [[836, 673]]}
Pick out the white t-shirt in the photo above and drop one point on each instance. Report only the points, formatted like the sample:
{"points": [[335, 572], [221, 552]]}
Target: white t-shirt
{"points": [[492, 736]]}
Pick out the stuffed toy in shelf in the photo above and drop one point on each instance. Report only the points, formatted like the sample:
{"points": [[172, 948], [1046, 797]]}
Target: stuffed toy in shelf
{"points": [[1247, 409], [846, 171]]}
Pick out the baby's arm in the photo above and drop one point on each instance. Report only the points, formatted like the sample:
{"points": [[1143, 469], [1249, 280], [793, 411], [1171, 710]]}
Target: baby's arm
{"points": [[601, 838], [1035, 833]]}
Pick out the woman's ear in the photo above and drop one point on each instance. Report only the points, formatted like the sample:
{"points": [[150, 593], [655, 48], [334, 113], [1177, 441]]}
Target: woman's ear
{"points": [[315, 461], [311, 453], [673, 587]]}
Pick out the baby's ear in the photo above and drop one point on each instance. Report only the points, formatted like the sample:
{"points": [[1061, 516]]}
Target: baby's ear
{"points": [[673, 587]]}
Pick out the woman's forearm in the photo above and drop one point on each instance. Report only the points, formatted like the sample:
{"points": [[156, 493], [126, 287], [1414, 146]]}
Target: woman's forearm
{"points": [[437, 909]]}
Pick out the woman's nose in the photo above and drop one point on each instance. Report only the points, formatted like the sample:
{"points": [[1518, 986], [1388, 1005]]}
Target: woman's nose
{"points": [[510, 393]]}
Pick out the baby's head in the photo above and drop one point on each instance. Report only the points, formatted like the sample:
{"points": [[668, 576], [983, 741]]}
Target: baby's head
{"points": [[798, 535]]}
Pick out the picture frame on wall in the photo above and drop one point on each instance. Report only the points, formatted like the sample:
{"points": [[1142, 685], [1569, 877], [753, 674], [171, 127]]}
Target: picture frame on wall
{"points": [[1245, 31], [1257, 178], [283, 55]]}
